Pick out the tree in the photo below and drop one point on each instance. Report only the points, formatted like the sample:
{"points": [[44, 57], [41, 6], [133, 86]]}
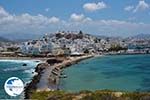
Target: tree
{"points": [[12, 49], [80, 32], [116, 48], [86, 51], [80, 35]]}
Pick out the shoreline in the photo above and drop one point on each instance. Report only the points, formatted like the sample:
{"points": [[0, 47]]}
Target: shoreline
{"points": [[32, 85], [26, 58], [129, 54], [46, 78], [45, 58]]}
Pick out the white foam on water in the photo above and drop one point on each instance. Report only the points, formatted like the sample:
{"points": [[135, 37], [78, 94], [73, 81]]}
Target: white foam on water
{"points": [[31, 63], [29, 71], [21, 61], [16, 68]]}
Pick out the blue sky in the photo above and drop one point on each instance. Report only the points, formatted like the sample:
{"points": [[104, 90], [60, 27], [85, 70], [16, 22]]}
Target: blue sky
{"points": [[102, 17]]}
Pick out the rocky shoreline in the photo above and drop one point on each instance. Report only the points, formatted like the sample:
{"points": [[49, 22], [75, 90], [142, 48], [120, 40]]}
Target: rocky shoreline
{"points": [[31, 86], [44, 80]]}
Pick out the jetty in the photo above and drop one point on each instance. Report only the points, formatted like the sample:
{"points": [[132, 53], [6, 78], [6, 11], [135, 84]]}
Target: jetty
{"points": [[49, 74]]}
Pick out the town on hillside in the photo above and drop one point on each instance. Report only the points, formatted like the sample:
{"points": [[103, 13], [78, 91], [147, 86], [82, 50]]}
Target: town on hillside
{"points": [[72, 43]]}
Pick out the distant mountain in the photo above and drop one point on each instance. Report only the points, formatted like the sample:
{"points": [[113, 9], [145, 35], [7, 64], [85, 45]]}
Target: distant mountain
{"points": [[142, 36], [2, 39], [20, 37]]}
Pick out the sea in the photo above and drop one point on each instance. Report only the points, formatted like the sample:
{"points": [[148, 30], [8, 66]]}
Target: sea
{"points": [[112, 72], [129, 73], [15, 68]]}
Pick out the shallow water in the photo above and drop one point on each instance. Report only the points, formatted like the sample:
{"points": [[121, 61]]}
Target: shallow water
{"points": [[15, 68], [117, 72]]}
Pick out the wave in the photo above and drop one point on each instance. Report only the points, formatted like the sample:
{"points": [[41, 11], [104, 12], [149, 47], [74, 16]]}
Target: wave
{"points": [[22, 61], [29, 71], [30, 65], [17, 69]]}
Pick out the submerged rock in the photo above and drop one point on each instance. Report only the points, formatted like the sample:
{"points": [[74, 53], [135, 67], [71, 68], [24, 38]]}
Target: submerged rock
{"points": [[24, 65]]}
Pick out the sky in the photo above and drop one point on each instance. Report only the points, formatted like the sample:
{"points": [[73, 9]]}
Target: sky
{"points": [[99, 17]]}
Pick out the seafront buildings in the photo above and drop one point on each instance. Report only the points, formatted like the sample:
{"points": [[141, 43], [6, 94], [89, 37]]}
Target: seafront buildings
{"points": [[65, 43], [75, 43], [79, 43]]}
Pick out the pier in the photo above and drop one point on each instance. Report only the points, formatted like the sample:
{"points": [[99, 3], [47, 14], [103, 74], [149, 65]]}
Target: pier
{"points": [[52, 73], [49, 74]]}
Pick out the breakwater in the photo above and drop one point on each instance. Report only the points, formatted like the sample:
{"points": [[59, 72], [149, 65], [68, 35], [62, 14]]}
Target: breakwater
{"points": [[46, 79]]}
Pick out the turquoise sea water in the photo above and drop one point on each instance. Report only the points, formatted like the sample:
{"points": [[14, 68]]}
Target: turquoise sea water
{"points": [[117, 72], [15, 68]]}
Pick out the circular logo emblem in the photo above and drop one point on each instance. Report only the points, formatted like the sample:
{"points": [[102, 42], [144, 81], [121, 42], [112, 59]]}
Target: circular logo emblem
{"points": [[14, 86]]}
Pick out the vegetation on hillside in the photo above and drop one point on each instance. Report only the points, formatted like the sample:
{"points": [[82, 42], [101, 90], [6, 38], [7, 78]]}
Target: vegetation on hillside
{"points": [[116, 48], [88, 95]]}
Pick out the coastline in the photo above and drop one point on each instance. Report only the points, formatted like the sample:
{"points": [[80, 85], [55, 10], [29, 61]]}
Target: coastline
{"points": [[43, 66], [128, 54], [26, 58], [46, 79]]}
